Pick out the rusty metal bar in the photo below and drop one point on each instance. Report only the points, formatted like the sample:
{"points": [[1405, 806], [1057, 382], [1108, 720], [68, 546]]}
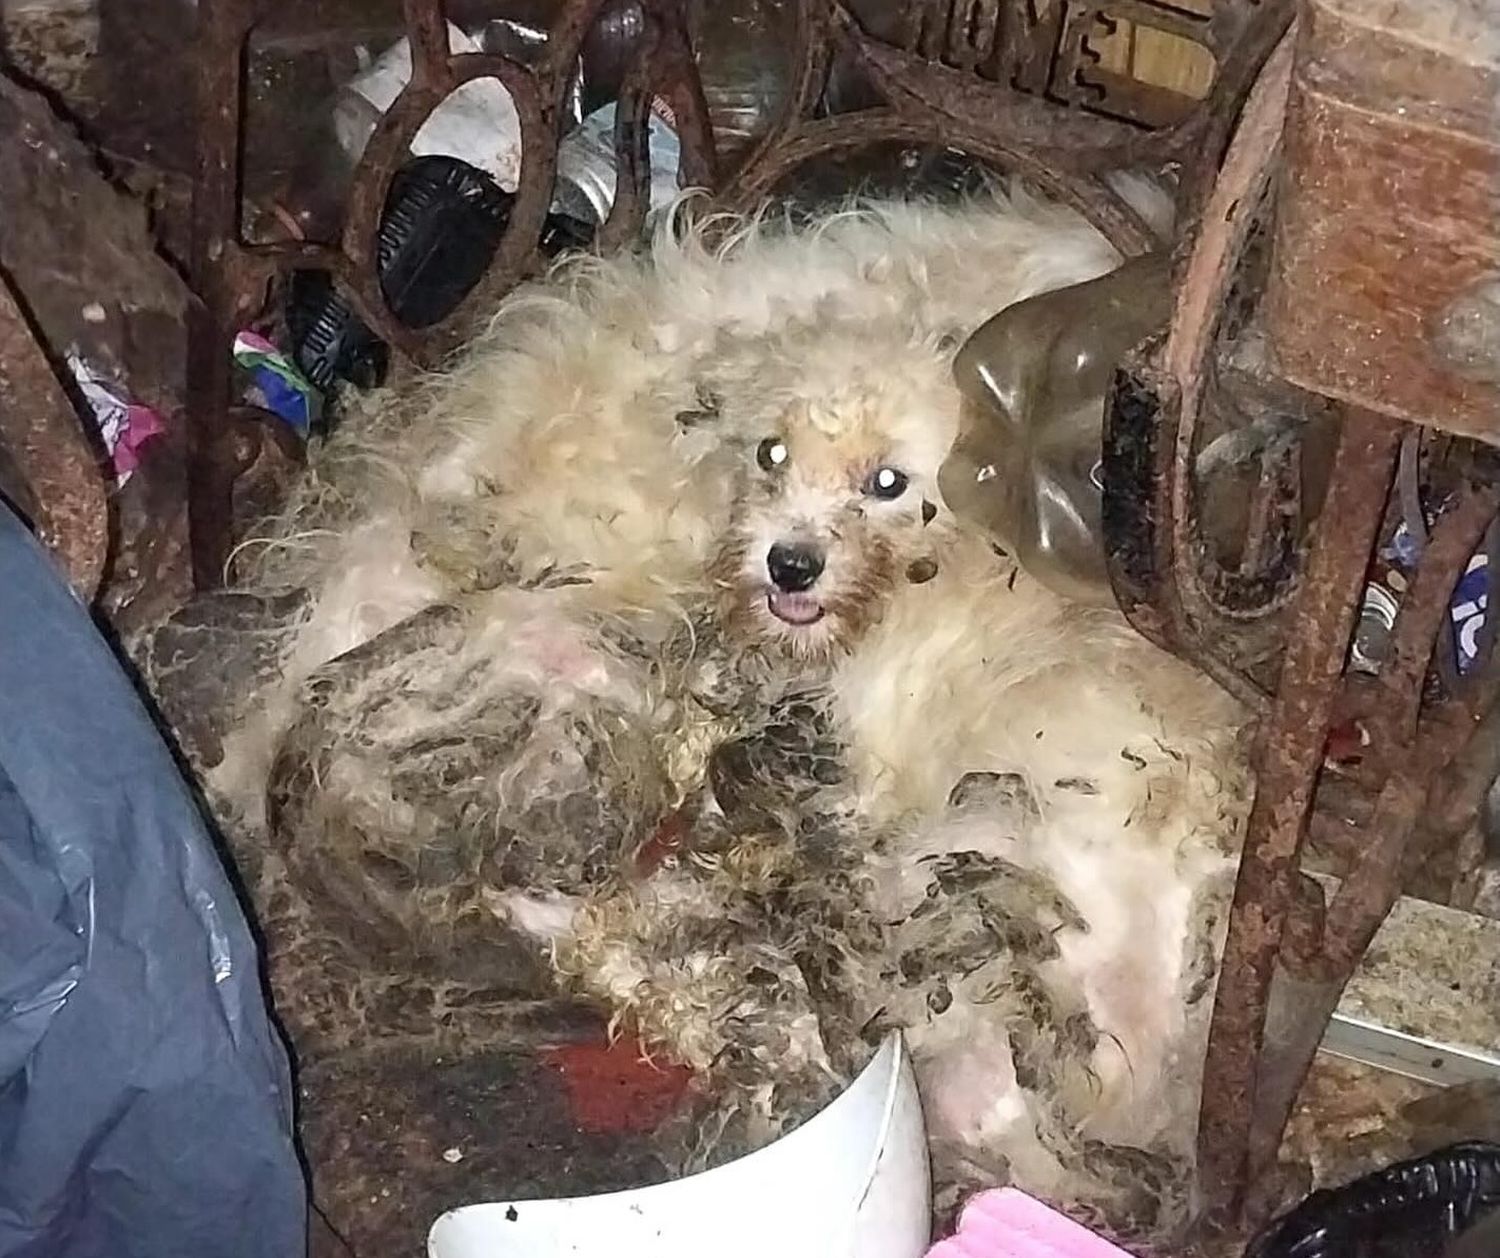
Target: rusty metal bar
{"points": [[1202, 291], [1409, 762], [632, 152], [383, 152], [682, 87], [538, 104], [1289, 756], [1242, 47], [223, 26], [1152, 426], [1092, 198], [427, 33]]}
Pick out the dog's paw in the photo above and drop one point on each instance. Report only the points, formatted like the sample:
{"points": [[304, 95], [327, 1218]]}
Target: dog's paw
{"points": [[782, 776], [1003, 893]]}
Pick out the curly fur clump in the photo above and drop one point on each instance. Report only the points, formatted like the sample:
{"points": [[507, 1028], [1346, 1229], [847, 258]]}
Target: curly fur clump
{"points": [[540, 684]]}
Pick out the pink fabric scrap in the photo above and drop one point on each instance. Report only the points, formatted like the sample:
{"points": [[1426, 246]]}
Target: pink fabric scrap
{"points": [[1006, 1223], [141, 424]]}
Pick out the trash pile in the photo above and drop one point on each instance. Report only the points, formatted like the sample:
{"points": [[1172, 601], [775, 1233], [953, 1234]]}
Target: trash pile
{"points": [[447, 209]]}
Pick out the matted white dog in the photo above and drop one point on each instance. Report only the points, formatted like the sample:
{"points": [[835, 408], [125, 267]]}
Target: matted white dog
{"points": [[671, 659]]}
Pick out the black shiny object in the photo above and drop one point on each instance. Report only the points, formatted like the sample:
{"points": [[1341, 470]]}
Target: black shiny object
{"points": [[1410, 1210], [794, 568], [442, 223]]}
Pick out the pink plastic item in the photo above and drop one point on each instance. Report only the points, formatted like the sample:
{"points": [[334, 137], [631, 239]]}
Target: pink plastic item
{"points": [[1006, 1223]]}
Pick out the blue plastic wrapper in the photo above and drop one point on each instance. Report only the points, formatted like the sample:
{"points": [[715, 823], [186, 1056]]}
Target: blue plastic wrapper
{"points": [[285, 391], [1467, 607], [145, 1103]]}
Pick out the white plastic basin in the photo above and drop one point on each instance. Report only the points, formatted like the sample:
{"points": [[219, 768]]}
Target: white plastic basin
{"points": [[851, 1182]]}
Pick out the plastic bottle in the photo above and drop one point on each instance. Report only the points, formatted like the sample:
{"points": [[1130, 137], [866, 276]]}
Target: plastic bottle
{"points": [[477, 123], [741, 54], [1028, 457], [586, 167]]}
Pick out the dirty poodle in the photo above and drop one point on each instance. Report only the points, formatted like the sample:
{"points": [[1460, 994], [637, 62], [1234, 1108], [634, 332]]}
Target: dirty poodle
{"points": [[637, 659]]}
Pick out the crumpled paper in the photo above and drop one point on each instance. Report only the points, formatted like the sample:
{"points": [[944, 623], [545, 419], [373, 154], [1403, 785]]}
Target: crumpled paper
{"points": [[124, 426]]}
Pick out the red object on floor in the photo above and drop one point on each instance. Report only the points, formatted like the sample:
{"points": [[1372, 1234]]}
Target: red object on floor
{"points": [[613, 1088], [1346, 745]]}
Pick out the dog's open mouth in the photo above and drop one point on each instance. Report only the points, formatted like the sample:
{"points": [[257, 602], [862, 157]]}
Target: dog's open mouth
{"points": [[795, 609]]}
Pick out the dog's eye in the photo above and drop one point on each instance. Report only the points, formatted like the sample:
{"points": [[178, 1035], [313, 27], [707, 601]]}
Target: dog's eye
{"points": [[772, 454], [886, 482]]}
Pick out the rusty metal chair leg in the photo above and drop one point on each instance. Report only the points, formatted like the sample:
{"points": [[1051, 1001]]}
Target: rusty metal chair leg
{"points": [[1290, 753], [1287, 959], [223, 27]]}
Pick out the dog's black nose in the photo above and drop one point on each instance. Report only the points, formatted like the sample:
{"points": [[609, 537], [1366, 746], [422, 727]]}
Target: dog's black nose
{"points": [[794, 568]]}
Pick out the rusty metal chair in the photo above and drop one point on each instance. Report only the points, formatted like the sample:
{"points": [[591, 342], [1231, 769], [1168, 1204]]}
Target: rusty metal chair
{"points": [[1370, 119]]}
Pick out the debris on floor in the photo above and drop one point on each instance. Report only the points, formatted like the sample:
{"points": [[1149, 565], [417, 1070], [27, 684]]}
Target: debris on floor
{"points": [[123, 425], [276, 382]]}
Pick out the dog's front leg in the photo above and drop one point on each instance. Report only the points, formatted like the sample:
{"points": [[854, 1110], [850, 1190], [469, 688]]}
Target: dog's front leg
{"points": [[695, 970]]}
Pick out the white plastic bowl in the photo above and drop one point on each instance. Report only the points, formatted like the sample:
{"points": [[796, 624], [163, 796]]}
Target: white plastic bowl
{"points": [[851, 1182]]}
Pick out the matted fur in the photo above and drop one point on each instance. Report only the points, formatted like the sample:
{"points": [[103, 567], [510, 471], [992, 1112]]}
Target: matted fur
{"points": [[951, 802]]}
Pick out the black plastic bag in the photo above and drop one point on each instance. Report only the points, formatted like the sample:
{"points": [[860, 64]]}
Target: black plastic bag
{"points": [[1413, 1209], [442, 223]]}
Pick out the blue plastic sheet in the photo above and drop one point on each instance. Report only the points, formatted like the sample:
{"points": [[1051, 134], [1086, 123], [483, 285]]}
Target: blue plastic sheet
{"points": [[145, 1102]]}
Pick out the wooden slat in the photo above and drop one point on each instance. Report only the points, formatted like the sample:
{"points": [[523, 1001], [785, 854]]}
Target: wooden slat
{"points": [[1389, 211]]}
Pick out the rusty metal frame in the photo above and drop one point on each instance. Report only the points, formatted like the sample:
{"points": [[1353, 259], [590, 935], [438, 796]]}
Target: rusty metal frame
{"points": [[1288, 955], [1166, 587], [982, 76], [1276, 633]]}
